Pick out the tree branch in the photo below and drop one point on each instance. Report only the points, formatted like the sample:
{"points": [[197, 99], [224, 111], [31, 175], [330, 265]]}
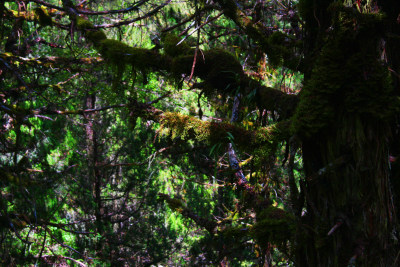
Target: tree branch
{"points": [[127, 22]]}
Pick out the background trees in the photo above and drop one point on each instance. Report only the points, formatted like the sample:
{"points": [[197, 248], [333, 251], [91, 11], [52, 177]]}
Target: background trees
{"points": [[199, 132]]}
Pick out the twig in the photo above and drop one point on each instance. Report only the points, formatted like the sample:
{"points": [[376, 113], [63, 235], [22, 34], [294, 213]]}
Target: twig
{"points": [[336, 226], [43, 245], [126, 22], [67, 258], [158, 99]]}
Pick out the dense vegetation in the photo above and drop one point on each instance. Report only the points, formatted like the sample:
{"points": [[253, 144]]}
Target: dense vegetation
{"points": [[218, 132]]}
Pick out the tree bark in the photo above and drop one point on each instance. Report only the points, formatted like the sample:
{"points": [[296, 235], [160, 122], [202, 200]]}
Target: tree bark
{"points": [[349, 214]]}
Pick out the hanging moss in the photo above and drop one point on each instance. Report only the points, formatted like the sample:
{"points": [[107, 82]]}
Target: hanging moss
{"points": [[230, 9], [280, 50], [95, 36]]}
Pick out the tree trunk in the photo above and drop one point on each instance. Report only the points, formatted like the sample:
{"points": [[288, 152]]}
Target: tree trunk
{"points": [[93, 152], [344, 120]]}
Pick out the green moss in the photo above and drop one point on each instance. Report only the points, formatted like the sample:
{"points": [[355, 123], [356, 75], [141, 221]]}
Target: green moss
{"points": [[347, 77], [305, 8], [280, 50], [175, 204], [121, 54], [188, 127], [277, 132], [273, 225], [172, 48], [219, 69], [83, 24], [95, 36]]}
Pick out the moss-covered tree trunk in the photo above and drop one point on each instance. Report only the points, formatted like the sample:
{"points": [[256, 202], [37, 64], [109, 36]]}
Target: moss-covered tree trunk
{"points": [[344, 117]]}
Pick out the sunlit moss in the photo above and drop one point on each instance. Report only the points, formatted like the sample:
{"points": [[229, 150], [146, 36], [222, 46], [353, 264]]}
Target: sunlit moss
{"points": [[190, 128], [186, 126]]}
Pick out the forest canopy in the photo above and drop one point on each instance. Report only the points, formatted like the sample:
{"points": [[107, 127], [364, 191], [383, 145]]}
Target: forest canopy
{"points": [[199, 133]]}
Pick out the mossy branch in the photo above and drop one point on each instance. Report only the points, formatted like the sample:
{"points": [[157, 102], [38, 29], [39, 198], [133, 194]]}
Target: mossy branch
{"points": [[210, 132], [220, 71], [275, 100]]}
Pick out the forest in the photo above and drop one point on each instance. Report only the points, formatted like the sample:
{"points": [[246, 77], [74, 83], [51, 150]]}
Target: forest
{"points": [[200, 133]]}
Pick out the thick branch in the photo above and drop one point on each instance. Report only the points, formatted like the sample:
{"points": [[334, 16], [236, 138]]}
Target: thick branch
{"points": [[275, 100], [190, 128]]}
